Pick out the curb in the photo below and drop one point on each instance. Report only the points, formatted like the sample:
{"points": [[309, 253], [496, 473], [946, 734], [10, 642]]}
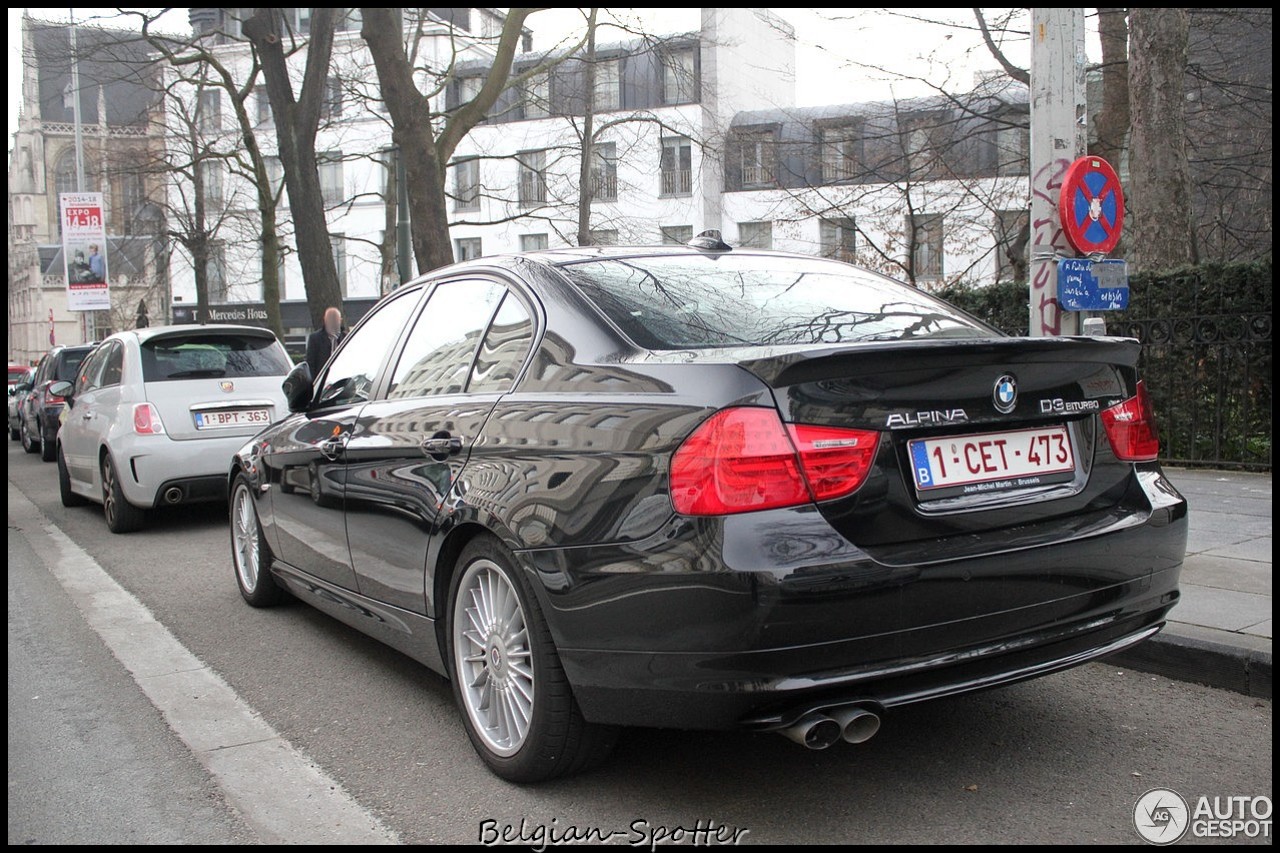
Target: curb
{"points": [[1181, 653]]}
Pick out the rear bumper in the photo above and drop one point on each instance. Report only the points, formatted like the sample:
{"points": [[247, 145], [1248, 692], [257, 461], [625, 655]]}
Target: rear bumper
{"points": [[151, 465], [749, 620]]}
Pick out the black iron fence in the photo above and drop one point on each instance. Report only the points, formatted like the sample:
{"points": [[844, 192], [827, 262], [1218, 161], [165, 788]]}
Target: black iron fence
{"points": [[1206, 355]]}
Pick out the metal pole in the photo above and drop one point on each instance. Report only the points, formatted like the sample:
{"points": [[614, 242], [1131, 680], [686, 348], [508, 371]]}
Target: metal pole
{"points": [[75, 105], [402, 219], [1059, 135]]}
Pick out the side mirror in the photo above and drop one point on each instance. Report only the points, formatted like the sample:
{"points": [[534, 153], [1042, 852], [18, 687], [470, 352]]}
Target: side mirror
{"points": [[62, 389], [297, 387]]}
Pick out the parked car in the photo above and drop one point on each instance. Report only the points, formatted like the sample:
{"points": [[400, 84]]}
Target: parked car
{"points": [[18, 392], [16, 373], [157, 414], [42, 412], [708, 488]]}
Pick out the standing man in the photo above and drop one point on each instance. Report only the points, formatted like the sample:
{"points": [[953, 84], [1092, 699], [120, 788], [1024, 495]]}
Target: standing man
{"points": [[97, 268], [323, 341]]}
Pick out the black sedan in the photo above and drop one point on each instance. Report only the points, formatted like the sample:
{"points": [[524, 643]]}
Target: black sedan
{"points": [[708, 488]]}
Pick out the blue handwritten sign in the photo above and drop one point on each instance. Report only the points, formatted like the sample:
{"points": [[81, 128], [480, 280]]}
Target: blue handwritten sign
{"points": [[1085, 285]]}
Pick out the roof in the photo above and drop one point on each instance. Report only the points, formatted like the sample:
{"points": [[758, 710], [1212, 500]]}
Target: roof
{"points": [[118, 62]]}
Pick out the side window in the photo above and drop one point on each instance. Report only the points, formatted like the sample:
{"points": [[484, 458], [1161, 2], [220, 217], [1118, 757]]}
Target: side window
{"points": [[112, 367], [503, 350], [87, 377], [438, 354], [351, 375]]}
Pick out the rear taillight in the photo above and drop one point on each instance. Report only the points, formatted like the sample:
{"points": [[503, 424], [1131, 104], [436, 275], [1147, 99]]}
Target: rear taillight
{"points": [[1131, 428], [745, 459], [146, 420]]}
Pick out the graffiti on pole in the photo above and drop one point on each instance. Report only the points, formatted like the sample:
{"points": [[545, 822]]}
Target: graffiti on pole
{"points": [[1046, 238]]}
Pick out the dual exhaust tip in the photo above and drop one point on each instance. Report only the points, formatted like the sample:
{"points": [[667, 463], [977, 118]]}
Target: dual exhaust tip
{"points": [[819, 730]]}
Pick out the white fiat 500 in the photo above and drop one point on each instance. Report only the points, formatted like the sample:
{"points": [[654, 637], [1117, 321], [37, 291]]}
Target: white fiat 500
{"points": [[155, 416]]}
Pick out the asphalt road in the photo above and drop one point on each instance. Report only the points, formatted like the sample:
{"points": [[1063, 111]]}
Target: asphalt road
{"points": [[1060, 759]]}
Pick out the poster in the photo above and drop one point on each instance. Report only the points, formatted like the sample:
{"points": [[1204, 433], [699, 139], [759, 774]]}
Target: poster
{"points": [[84, 247]]}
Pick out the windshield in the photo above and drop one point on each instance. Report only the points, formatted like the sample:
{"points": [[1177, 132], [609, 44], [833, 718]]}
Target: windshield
{"points": [[69, 364], [697, 301], [205, 355]]}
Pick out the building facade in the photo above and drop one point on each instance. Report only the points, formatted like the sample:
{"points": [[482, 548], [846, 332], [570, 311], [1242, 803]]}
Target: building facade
{"points": [[121, 139]]}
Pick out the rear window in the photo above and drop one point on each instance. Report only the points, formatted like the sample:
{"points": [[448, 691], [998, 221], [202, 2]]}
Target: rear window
{"points": [[69, 362], [198, 356], [16, 374], [752, 300]]}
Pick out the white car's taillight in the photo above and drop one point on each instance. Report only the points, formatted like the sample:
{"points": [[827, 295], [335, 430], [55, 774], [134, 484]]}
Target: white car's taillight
{"points": [[146, 420]]}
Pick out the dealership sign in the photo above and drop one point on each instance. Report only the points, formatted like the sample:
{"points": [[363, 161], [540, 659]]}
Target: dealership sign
{"points": [[84, 250]]}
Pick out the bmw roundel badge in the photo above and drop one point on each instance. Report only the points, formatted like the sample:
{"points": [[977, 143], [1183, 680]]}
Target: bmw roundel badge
{"points": [[1005, 394]]}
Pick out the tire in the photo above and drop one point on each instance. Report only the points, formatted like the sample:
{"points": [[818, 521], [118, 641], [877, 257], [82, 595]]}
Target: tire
{"points": [[249, 551], [122, 516], [535, 731], [69, 498], [29, 444], [49, 446], [15, 434]]}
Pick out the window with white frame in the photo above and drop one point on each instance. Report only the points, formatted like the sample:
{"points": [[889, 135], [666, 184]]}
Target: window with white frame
{"points": [[757, 158], [331, 105], [533, 242], [841, 153], [1013, 150], [608, 90], [533, 177], [925, 232], [466, 248], [679, 82], [466, 191], [211, 173], [604, 171], [264, 105], [210, 111], [677, 166], [838, 237], [329, 164], [676, 235], [535, 96], [755, 235], [604, 237]]}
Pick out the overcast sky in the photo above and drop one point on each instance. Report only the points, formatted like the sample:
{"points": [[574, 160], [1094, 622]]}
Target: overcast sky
{"points": [[838, 51]]}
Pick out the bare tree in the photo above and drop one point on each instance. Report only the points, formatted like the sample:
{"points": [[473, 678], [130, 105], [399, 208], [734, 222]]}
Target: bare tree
{"points": [[297, 120], [193, 61], [1160, 178]]}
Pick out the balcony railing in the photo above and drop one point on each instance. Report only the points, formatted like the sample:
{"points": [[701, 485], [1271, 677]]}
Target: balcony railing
{"points": [[533, 190], [677, 182], [754, 175], [605, 186]]}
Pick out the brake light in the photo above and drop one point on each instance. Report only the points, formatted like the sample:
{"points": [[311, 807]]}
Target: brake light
{"points": [[146, 420], [1131, 428], [745, 459], [836, 461]]}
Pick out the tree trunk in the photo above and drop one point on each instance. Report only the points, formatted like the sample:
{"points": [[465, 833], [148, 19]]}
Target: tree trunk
{"points": [[426, 156], [296, 123], [1113, 118], [1160, 178], [586, 186]]}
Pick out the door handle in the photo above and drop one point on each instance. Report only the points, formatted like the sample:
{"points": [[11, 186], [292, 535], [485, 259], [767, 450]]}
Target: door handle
{"points": [[332, 448], [442, 445]]}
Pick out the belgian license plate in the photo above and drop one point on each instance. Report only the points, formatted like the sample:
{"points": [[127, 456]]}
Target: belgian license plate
{"points": [[993, 461], [224, 419]]}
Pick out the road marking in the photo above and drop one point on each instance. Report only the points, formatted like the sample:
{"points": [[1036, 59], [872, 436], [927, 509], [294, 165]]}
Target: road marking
{"points": [[281, 794]]}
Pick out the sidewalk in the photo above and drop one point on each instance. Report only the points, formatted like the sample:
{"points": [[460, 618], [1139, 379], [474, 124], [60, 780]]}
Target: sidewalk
{"points": [[1220, 632]]}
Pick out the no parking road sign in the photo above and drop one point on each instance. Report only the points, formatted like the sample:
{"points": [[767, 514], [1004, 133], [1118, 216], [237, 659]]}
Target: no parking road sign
{"points": [[1091, 206]]}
